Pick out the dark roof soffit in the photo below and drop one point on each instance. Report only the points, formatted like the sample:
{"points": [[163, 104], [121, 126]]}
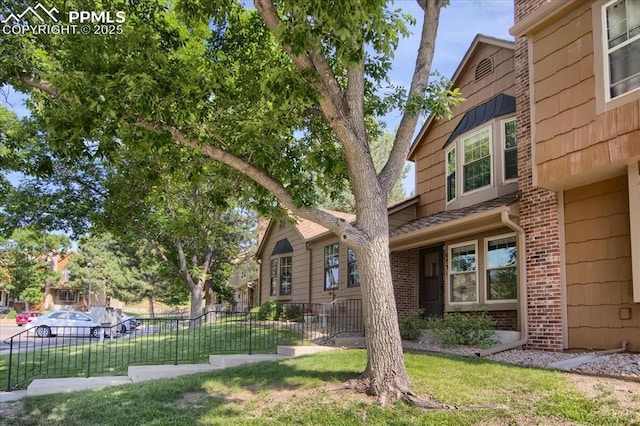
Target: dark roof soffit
{"points": [[494, 107]]}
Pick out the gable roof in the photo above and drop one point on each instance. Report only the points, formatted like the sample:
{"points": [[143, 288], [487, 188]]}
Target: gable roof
{"points": [[307, 229], [475, 45]]}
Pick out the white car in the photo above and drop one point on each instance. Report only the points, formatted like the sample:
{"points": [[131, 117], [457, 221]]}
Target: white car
{"points": [[129, 323], [67, 323]]}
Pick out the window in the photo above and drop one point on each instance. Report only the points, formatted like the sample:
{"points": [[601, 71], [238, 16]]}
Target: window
{"points": [[477, 160], [274, 277], [622, 46], [353, 278], [510, 149], [451, 174], [285, 275], [331, 266], [501, 269], [67, 296], [462, 273]]}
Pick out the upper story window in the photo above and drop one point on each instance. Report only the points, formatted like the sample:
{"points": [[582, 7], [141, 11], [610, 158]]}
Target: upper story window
{"points": [[510, 146], [477, 160], [622, 46], [353, 277], [331, 266]]}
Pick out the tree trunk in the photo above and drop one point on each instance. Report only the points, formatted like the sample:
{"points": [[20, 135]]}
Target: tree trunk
{"points": [[152, 310], [385, 373], [197, 293]]}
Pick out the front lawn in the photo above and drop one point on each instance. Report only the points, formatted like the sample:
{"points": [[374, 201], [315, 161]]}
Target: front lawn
{"points": [[307, 391]]}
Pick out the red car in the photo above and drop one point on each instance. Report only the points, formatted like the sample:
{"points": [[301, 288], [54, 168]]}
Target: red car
{"points": [[25, 317]]}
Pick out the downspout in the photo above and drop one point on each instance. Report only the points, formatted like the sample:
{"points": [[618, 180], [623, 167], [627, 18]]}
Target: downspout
{"points": [[259, 262], [522, 291], [310, 273]]}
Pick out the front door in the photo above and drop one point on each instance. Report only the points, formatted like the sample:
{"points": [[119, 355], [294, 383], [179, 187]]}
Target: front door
{"points": [[431, 282]]}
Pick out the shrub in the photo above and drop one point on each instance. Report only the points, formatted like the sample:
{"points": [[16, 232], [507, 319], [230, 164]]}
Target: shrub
{"points": [[12, 314], [292, 313], [268, 311], [474, 328], [411, 325]]}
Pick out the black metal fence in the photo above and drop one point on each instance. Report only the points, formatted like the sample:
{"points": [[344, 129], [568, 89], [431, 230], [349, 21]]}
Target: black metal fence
{"points": [[82, 351]]}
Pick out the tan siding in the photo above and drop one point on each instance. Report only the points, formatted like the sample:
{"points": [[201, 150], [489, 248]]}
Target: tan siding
{"points": [[574, 144], [429, 156], [598, 257], [402, 217]]}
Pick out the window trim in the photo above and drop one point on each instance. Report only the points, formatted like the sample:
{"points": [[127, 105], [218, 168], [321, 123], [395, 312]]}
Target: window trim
{"points": [[604, 102], [469, 135], [452, 147], [503, 131], [486, 241], [352, 265], [327, 268], [450, 248]]}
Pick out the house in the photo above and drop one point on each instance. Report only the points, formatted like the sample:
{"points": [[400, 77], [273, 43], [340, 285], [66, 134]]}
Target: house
{"points": [[301, 261], [244, 281], [578, 117], [464, 247], [60, 295], [528, 198]]}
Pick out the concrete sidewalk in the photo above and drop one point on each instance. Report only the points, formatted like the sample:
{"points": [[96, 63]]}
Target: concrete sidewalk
{"points": [[141, 373]]}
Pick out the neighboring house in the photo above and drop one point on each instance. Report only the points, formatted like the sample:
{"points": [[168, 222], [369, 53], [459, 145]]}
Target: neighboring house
{"points": [[60, 295], [578, 102], [301, 261], [463, 250], [244, 281]]}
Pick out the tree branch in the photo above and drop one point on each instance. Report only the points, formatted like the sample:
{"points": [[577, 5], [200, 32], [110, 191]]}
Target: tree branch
{"points": [[391, 171]]}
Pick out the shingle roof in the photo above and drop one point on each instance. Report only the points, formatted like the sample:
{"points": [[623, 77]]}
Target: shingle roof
{"points": [[309, 229], [450, 215]]}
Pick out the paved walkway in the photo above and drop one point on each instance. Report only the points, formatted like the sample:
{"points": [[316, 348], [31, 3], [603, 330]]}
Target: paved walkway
{"points": [[143, 373]]}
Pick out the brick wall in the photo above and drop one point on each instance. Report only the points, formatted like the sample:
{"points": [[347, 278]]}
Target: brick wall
{"points": [[404, 270], [505, 320], [538, 216]]}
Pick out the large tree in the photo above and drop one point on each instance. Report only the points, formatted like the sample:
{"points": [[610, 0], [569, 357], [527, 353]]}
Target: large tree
{"points": [[284, 95]]}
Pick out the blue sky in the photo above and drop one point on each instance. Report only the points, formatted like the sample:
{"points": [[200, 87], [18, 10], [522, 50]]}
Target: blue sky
{"points": [[459, 24]]}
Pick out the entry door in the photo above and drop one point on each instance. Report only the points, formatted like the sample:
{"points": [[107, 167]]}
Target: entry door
{"points": [[431, 282]]}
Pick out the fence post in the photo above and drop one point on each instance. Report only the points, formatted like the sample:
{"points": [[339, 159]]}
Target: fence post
{"points": [[89, 359], [177, 338], [10, 364], [250, 331]]}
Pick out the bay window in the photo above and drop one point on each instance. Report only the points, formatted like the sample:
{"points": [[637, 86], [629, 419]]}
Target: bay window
{"points": [[622, 46], [477, 160], [353, 277], [331, 266]]}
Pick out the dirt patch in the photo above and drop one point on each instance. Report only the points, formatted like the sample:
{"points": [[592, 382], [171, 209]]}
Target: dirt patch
{"points": [[626, 392], [9, 409]]}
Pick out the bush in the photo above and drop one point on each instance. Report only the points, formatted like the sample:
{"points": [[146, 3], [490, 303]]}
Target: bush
{"points": [[12, 314], [411, 325], [474, 328], [291, 313], [268, 311]]}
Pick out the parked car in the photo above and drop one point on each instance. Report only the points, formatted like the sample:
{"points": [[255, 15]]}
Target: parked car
{"points": [[26, 317], [68, 323], [129, 323]]}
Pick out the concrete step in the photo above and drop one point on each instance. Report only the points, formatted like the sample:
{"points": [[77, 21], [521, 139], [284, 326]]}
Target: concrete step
{"points": [[142, 373], [303, 350], [225, 361], [73, 384]]}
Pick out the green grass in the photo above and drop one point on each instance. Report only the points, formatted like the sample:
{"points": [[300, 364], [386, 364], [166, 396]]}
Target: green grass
{"points": [[112, 357], [305, 391]]}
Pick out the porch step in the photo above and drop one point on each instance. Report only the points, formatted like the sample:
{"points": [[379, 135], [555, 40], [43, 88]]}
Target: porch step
{"points": [[303, 350]]}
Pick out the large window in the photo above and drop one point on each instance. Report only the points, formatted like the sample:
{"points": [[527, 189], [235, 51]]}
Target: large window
{"points": [[477, 160], [353, 278], [622, 46], [462, 273], [451, 174], [273, 287], [501, 269], [331, 266], [285, 275], [510, 149]]}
